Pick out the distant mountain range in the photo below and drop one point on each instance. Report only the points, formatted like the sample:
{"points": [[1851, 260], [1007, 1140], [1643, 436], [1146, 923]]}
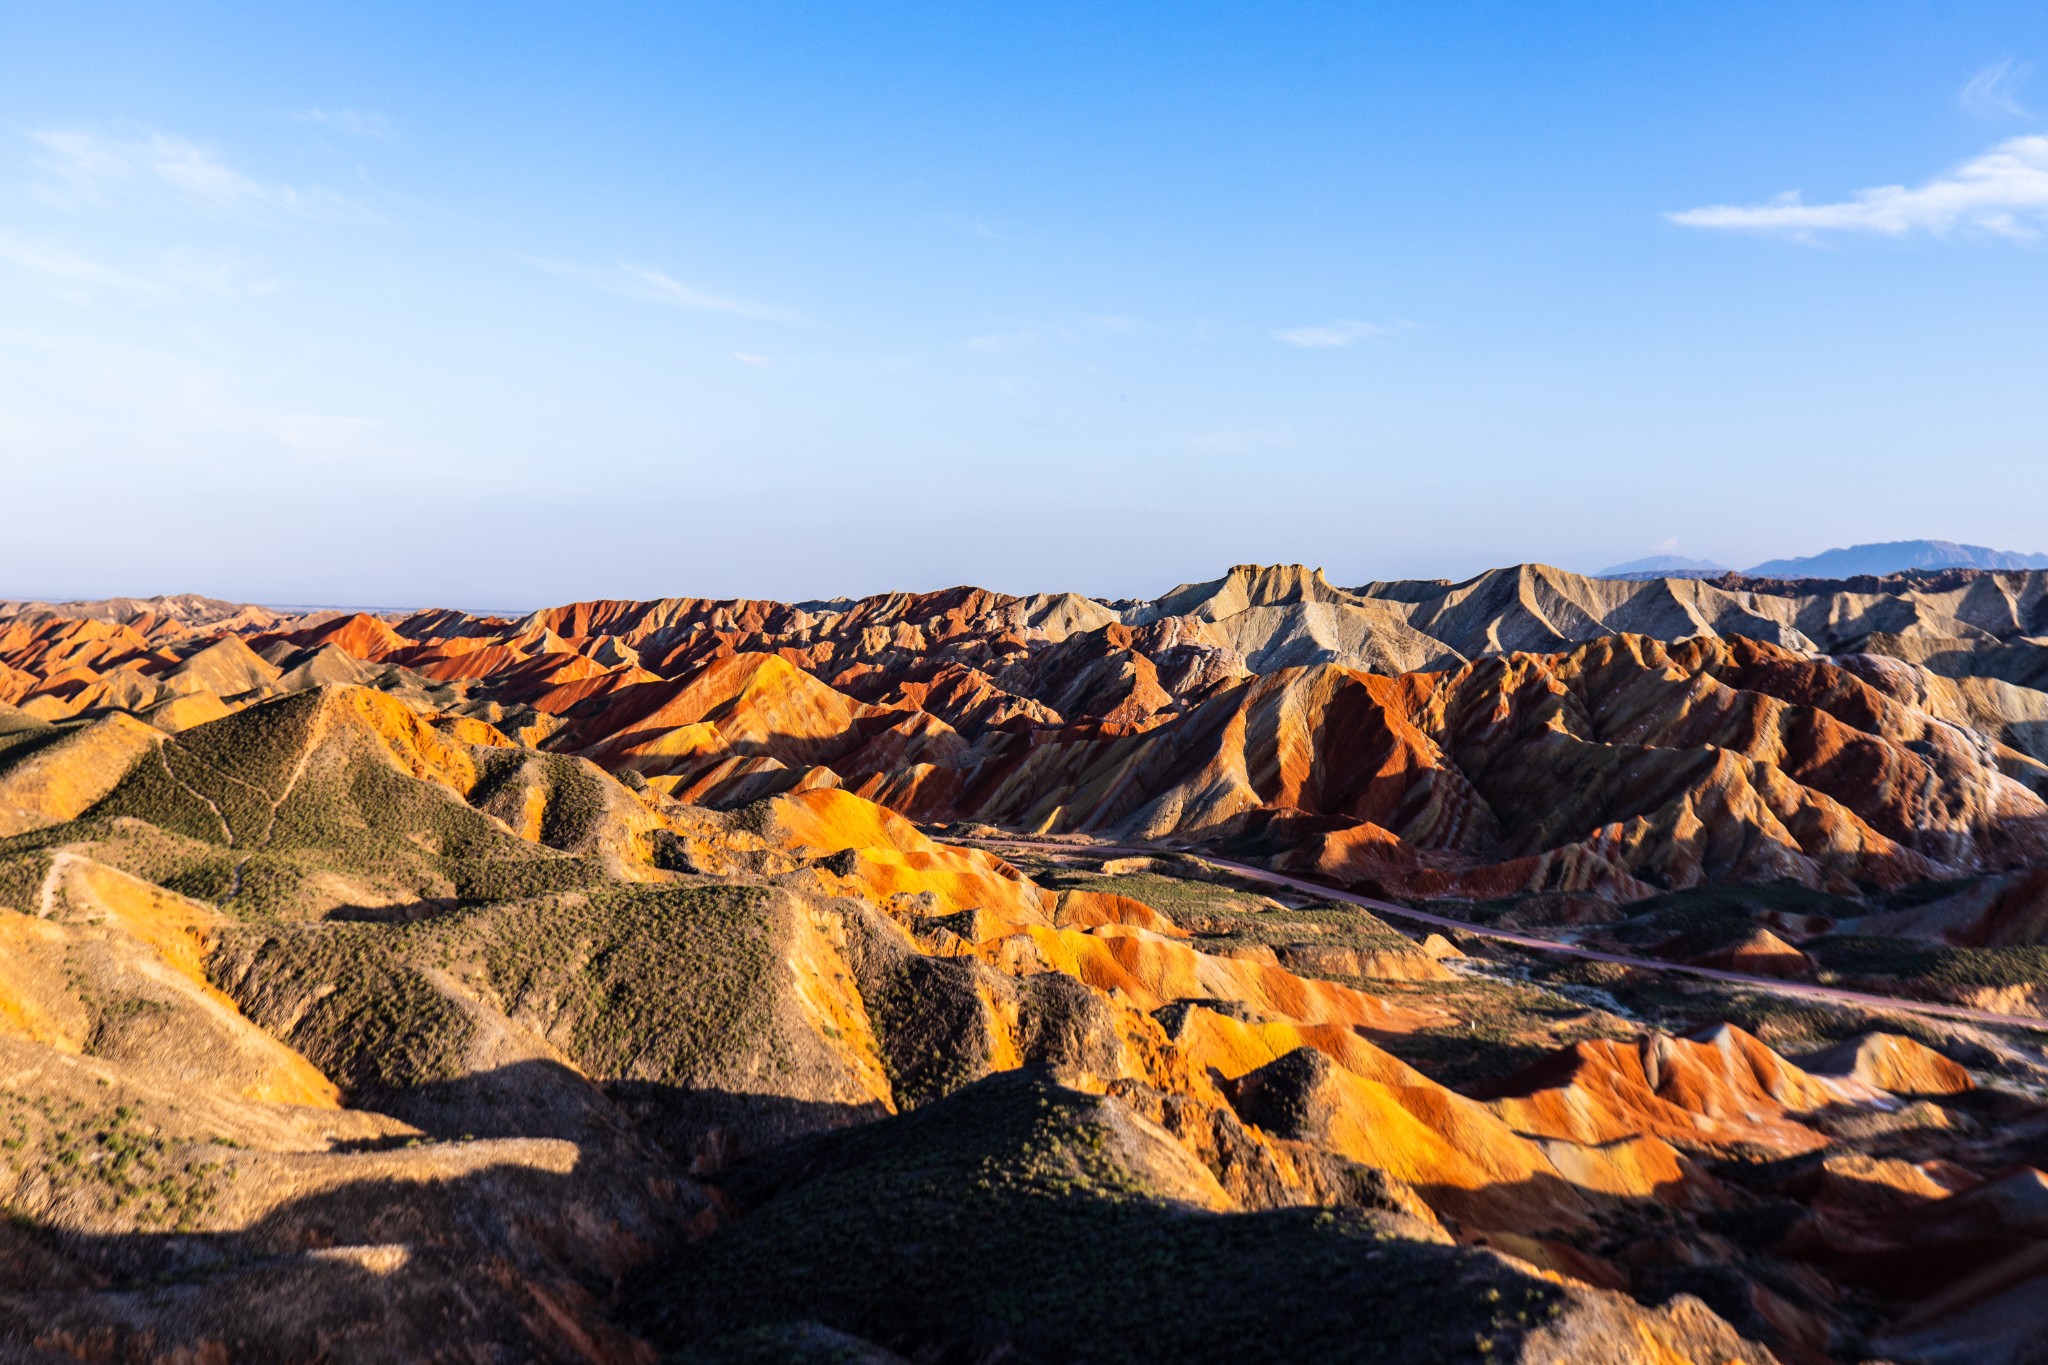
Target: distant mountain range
{"points": [[1897, 556], [1666, 566], [1888, 557]]}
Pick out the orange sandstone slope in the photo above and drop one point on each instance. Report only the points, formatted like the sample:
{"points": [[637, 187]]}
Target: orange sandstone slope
{"points": [[1621, 765], [1617, 766], [1543, 1166], [630, 993]]}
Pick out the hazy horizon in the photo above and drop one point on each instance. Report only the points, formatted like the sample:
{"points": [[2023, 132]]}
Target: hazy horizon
{"points": [[501, 608], [539, 305]]}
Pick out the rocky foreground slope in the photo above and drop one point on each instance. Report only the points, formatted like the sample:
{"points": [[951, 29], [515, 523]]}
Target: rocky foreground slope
{"points": [[652, 979]]}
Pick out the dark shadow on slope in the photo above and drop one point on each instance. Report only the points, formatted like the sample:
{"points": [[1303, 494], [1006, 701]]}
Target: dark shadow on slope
{"points": [[536, 1098], [706, 1129], [404, 912], [505, 1254], [1017, 1220]]}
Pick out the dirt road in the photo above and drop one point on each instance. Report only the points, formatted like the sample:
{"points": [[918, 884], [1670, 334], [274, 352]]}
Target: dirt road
{"points": [[1826, 995]]}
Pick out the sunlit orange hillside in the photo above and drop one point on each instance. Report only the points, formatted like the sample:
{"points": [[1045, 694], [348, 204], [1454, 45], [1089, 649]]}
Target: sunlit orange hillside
{"points": [[1534, 968]]}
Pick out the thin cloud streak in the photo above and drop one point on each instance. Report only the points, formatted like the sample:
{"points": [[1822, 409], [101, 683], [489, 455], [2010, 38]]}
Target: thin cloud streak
{"points": [[1993, 93], [649, 284], [176, 273], [97, 170], [2004, 193], [354, 122], [1004, 341], [1329, 335], [188, 406], [989, 229], [70, 271]]}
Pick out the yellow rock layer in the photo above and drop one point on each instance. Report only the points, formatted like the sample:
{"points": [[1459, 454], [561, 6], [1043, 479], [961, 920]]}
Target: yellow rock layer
{"points": [[140, 941], [63, 778]]}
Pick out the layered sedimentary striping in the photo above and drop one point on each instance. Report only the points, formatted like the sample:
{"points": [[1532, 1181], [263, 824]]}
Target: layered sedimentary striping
{"points": [[620, 979]]}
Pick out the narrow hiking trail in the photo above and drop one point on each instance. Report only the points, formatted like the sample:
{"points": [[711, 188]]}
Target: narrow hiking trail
{"points": [[1827, 995]]}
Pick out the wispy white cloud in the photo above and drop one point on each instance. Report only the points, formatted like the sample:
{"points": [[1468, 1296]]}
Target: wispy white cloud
{"points": [[169, 275], [70, 272], [1007, 341], [632, 281], [973, 226], [989, 229], [662, 288], [1324, 335], [93, 169], [1994, 92], [354, 122], [230, 277], [2004, 192], [759, 362], [202, 413]]}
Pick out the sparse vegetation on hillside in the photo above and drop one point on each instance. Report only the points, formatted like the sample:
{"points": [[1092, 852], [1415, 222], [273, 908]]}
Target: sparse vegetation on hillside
{"points": [[1010, 1219], [1710, 913], [1498, 1027], [21, 736], [156, 794], [1187, 902], [1930, 965], [58, 1149], [22, 871], [574, 791], [668, 983], [297, 818], [347, 997]]}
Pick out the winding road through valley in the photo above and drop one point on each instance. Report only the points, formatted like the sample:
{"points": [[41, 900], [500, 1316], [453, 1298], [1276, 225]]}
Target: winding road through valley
{"points": [[1826, 995]]}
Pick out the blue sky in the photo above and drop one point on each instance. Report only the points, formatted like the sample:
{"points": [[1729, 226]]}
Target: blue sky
{"points": [[509, 304]]}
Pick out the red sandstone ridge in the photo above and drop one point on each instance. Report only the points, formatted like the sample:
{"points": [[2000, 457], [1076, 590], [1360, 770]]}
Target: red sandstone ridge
{"points": [[1615, 768], [604, 983], [1760, 953]]}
